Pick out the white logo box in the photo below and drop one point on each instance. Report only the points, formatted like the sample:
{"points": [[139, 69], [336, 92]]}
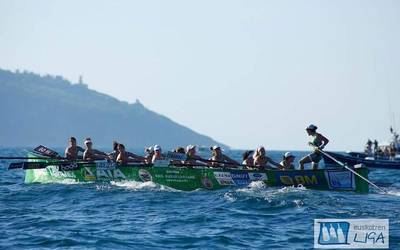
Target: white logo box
{"points": [[351, 233]]}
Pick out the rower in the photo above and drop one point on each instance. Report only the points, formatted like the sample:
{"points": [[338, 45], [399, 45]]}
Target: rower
{"points": [[114, 154], [218, 158], [91, 154], [179, 151], [149, 154], [125, 157], [71, 152], [317, 140], [192, 157], [261, 161], [247, 158], [157, 154], [287, 162]]}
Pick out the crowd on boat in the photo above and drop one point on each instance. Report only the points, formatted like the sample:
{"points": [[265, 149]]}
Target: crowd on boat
{"points": [[256, 159], [373, 149]]}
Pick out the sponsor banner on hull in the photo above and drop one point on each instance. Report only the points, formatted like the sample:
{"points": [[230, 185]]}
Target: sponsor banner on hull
{"points": [[238, 178], [291, 178], [340, 180]]}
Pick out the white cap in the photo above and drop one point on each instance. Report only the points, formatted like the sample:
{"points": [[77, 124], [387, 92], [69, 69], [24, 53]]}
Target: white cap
{"points": [[88, 140], [189, 147], [288, 154], [215, 147], [157, 148]]}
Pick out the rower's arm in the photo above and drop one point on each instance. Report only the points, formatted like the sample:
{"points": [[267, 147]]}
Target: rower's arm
{"points": [[98, 152], [135, 156], [67, 154], [230, 160], [197, 158], [272, 162], [324, 140]]}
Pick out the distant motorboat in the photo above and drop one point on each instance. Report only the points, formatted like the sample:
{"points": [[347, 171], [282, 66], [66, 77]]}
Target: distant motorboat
{"points": [[355, 158]]}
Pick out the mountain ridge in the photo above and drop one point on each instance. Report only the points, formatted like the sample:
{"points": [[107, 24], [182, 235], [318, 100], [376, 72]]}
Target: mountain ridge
{"points": [[49, 109]]}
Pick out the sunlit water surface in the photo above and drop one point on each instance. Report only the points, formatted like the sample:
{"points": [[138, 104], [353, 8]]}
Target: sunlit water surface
{"points": [[120, 215]]}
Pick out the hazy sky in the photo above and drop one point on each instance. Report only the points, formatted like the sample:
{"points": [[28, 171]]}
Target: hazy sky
{"points": [[246, 73]]}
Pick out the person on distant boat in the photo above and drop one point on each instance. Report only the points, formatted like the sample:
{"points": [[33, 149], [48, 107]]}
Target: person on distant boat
{"points": [[247, 158], [91, 154], [368, 148], [392, 151], [218, 159], [287, 162], [114, 154], [318, 141], [124, 157], [72, 151], [261, 161], [191, 157], [157, 154], [376, 147]]}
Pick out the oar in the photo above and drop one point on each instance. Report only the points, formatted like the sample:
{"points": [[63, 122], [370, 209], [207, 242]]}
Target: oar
{"points": [[351, 170], [27, 165], [227, 163], [23, 158], [47, 152]]}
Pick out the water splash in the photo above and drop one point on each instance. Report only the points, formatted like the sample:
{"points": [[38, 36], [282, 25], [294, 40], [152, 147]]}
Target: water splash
{"points": [[140, 186]]}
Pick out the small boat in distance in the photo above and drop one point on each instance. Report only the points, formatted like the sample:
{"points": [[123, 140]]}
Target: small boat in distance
{"points": [[385, 155]]}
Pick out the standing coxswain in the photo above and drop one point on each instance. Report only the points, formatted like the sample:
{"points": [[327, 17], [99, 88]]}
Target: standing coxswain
{"points": [[318, 141]]}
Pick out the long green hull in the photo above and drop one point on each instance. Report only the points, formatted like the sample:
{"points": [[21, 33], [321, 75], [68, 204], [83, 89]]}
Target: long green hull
{"points": [[206, 178]]}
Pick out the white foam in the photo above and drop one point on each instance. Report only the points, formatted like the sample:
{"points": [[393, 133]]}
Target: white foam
{"points": [[138, 185], [393, 192], [229, 197], [134, 185]]}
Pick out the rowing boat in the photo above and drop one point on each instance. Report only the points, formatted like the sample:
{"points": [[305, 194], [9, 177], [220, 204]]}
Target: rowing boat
{"points": [[192, 178]]}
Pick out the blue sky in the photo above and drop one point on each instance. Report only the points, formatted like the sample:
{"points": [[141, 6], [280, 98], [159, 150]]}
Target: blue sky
{"points": [[246, 73]]}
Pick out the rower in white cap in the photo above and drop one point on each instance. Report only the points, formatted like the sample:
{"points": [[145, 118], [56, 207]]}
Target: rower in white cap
{"points": [[91, 154], [287, 162], [157, 154], [192, 157]]}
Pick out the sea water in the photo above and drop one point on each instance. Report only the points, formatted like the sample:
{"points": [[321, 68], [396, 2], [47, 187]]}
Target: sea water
{"points": [[135, 215]]}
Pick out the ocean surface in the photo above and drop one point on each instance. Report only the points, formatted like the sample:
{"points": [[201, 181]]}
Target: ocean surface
{"points": [[133, 215]]}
